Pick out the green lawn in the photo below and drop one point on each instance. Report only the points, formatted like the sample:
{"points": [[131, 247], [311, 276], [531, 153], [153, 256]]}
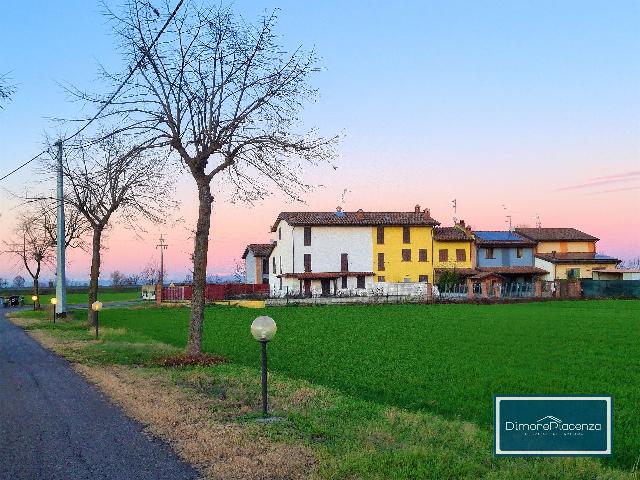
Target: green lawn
{"points": [[82, 298], [397, 391]]}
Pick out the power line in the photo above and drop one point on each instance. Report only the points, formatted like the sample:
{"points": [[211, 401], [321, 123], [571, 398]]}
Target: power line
{"points": [[112, 97]]}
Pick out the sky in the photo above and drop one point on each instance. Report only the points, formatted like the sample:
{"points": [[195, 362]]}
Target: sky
{"points": [[512, 108]]}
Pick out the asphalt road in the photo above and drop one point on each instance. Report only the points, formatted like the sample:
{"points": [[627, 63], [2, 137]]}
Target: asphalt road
{"points": [[55, 425]]}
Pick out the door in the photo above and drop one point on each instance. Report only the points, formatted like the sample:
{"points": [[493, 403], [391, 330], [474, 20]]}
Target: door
{"points": [[326, 287], [307, 287]]}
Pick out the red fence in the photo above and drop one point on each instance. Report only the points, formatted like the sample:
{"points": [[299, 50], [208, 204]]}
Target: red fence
{"points": [[214, 292]]}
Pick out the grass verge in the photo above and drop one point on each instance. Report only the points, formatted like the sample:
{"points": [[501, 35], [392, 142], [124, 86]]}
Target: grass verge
{"points": [[208, 413]]}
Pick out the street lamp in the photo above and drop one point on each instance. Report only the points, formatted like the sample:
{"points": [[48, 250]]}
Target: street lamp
{"points": [[35, 299], [263, 329], [53, 301], [96, 307]]}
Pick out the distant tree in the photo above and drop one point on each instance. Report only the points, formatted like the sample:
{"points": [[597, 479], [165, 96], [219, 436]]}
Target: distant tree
{"points": [[117, 278], [633, 263], [225, 97], [18, 281], [34, 243], [150, 274], [239, 272], [3, 283]]}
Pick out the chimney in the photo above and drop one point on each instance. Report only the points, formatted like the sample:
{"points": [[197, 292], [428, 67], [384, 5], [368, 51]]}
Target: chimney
{"points": [[417, 209], [359, 215], [427, 214], [338, 208], [553, 254], [461, 223]]}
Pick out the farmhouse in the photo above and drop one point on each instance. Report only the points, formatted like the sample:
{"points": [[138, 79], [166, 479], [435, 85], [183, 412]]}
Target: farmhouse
{"points": [[507, 254], [331, 253], [453, 251], [566, 253], [256, 262]]}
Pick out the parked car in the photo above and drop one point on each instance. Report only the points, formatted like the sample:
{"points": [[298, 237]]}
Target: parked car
{"points": [[12, 301]]}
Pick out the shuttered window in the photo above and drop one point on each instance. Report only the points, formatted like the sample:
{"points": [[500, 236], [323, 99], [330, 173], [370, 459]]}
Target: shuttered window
{"points": [[381, 279], [307, 236], [307, 262], [406, 254], [519, 252], [344, 262], [443, 255], [488, 253], [360, 281], [344, 282], [380, 234], [423, 278], [381, 261], [422, 255], [406, 235], [461, 255], [274, 264]]}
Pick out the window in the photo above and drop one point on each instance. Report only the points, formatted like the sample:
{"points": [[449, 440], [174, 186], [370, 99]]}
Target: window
{"points": [[381, 279], [344, 262], [274, 264], [573, 273], [307, 236], [423, 278], [443, 255], [406, 235], [422, 255], [280, 261], [344, 282], [461, 255], [381, 261], [518, 252], [280, 283], [307, 262], [380, 234], [360, 281], [488, 253], [280, 233], [406, 254], [265, 266]]}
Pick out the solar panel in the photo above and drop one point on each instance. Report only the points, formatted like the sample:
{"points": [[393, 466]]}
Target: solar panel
{"points": [[502, 236]]}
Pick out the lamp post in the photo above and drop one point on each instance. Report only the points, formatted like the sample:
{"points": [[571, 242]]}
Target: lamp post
{"points": [[35, 299], [53, 301], [96, 307], [263, 329]]}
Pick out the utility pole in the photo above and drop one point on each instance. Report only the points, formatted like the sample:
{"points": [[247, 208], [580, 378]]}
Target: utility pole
{"points": [[162, 246], [61, 278]]}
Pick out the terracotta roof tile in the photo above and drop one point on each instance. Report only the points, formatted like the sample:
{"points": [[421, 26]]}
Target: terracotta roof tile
{"points": [[258, 249], [356, 218], [576, 257], [451, 234], [555, 234]]}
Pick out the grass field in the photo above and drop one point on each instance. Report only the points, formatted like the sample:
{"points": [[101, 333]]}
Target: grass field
{"points": [[442, 360]]}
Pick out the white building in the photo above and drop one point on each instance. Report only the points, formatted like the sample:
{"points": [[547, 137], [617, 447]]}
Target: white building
{"points": [[256, 262], [320, 253]]}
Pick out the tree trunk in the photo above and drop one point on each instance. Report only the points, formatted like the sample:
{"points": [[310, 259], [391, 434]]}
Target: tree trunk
{"points": [[36, 292], [205, 199], [95, 272]]}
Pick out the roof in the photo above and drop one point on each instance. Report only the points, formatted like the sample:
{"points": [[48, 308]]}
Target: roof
{"points": [[483, 275], [555, 234], [258, 249], [502, 238], [356, 218], [451, 234], [464, 272], [511, 270], [576, 257], [317, 275]]}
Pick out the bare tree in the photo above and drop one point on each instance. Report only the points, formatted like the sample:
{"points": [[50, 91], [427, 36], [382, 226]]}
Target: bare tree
{"points": [[113, 178], [222, 94], [34, 244], [18, 281], [150, 274], [6, 89]]}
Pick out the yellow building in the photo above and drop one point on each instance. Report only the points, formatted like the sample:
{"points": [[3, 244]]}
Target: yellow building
{"points": [[566, 252], [403, 246], [453, 249]]}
